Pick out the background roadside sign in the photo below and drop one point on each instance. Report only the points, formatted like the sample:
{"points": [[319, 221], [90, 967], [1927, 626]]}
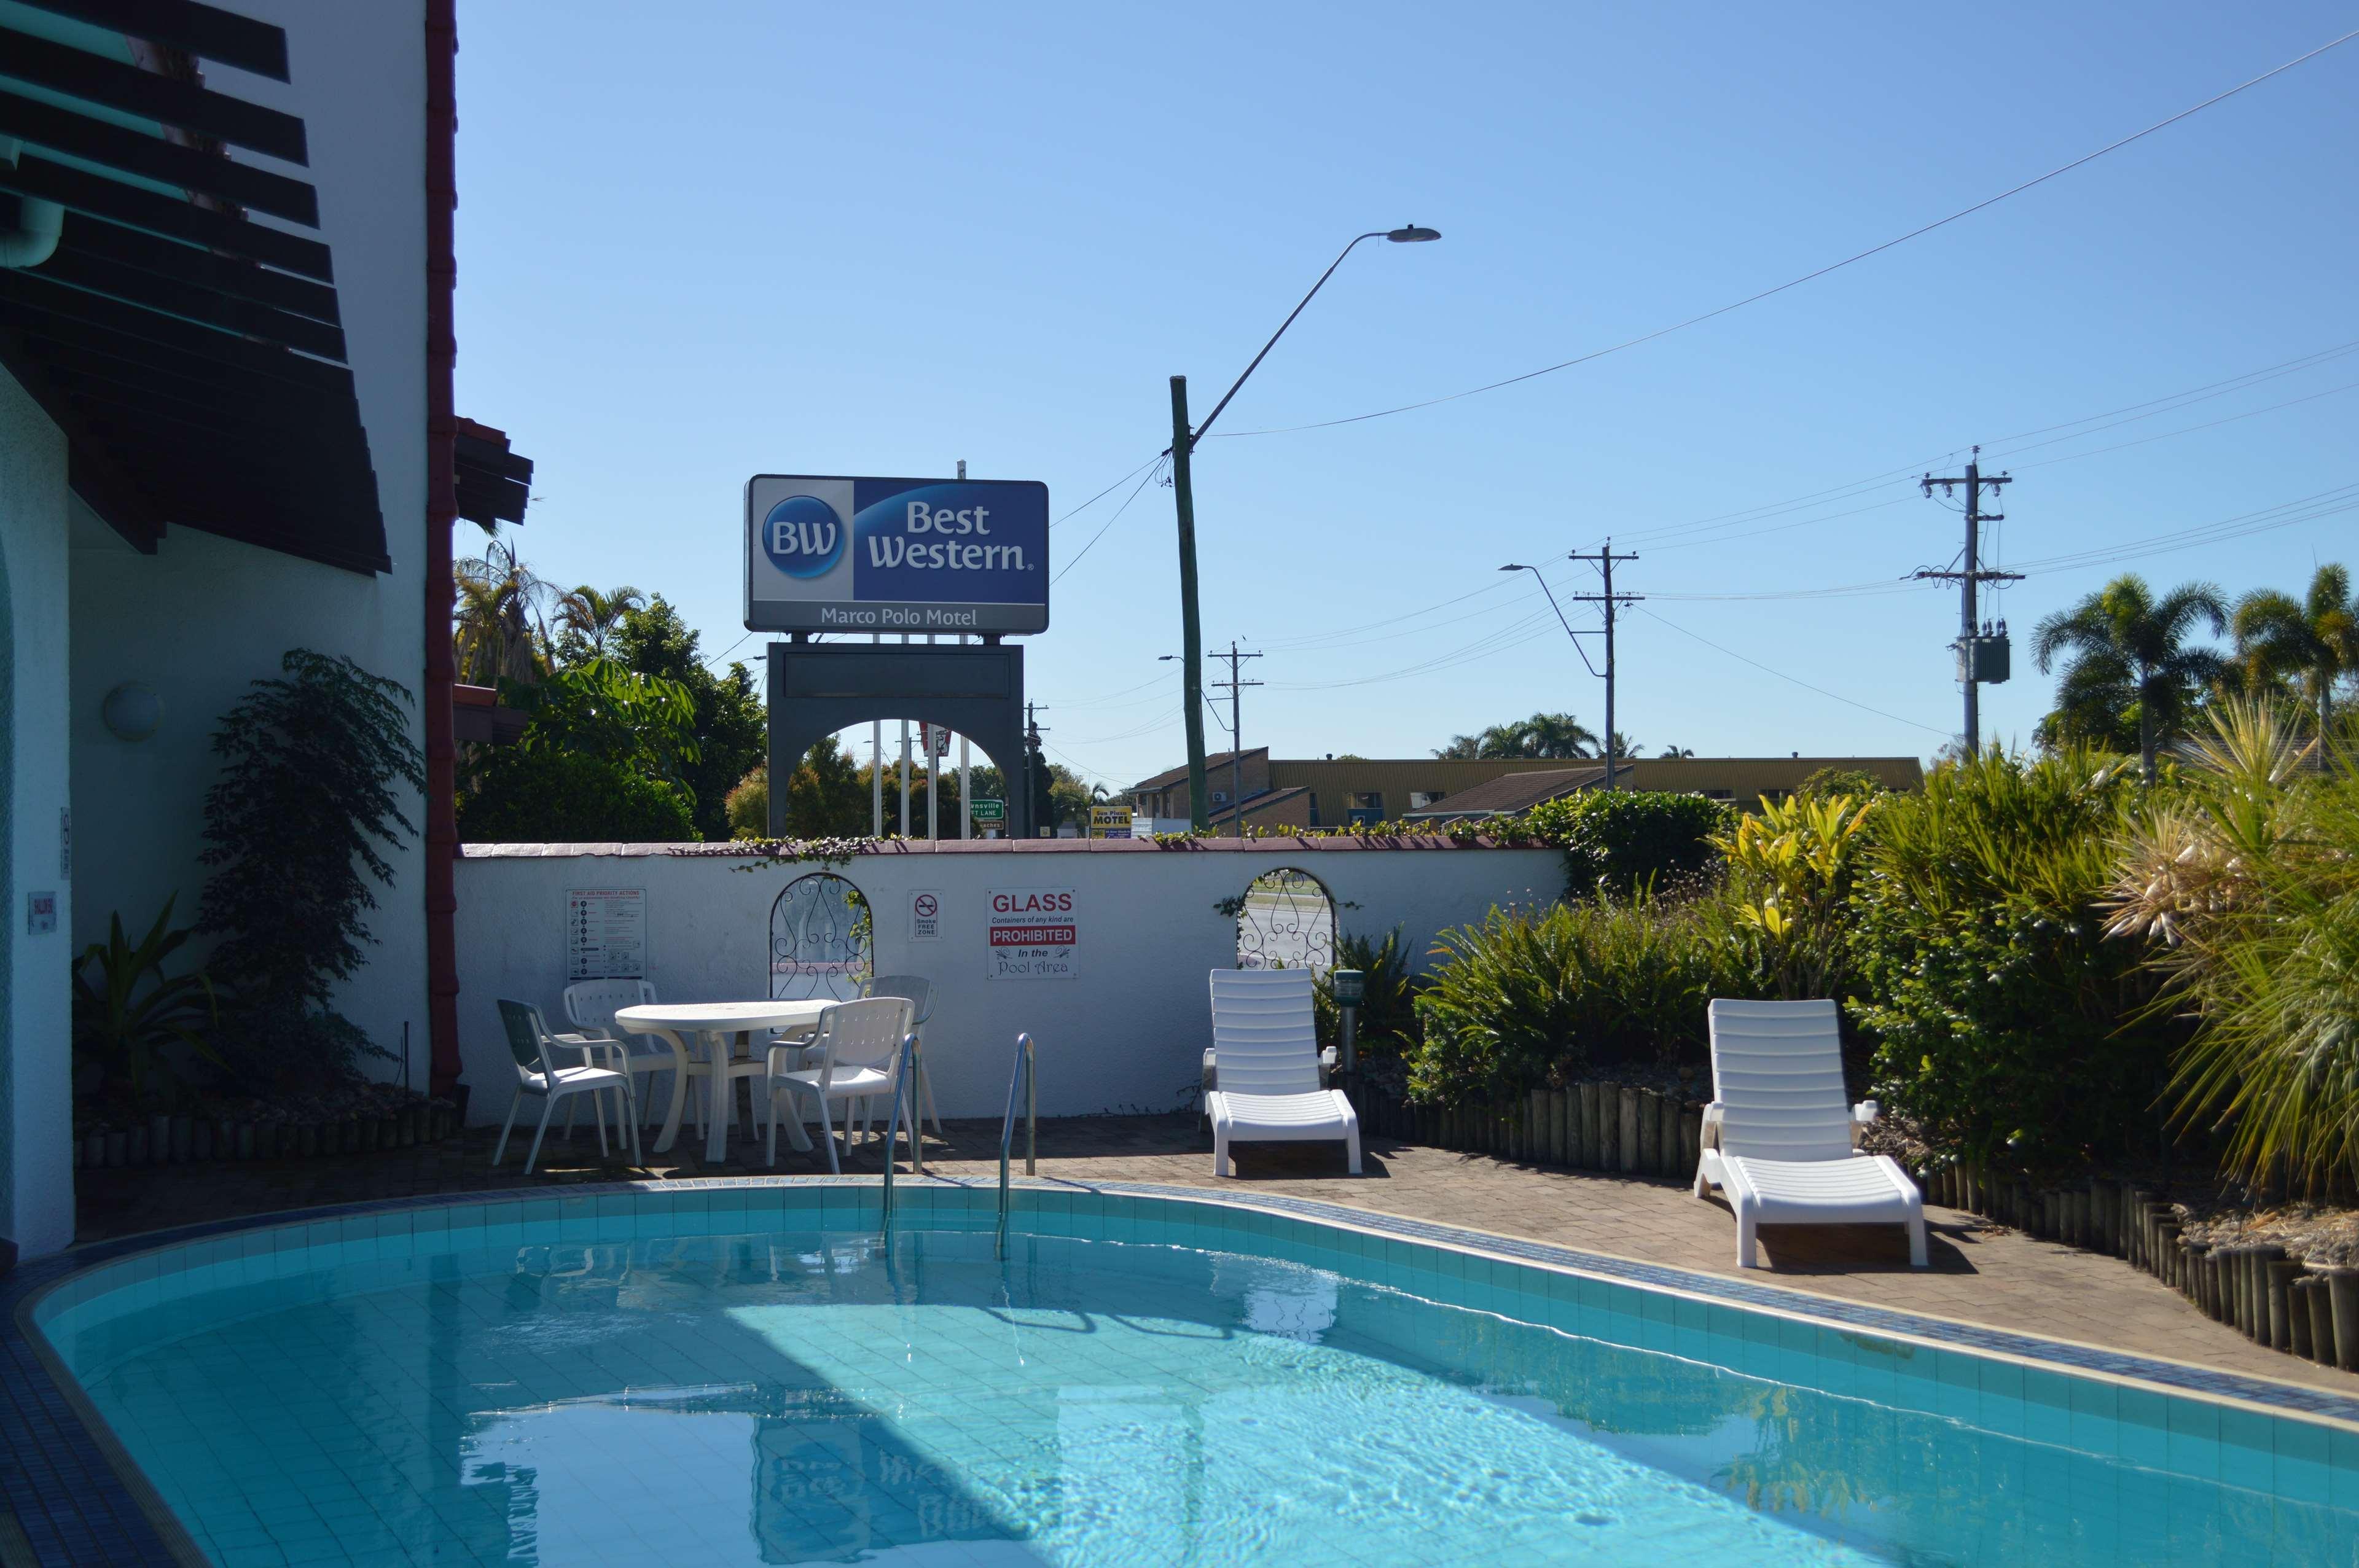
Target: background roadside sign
{"points": [[938, 738], [990, 810], [840, 554], [1109, 822]]}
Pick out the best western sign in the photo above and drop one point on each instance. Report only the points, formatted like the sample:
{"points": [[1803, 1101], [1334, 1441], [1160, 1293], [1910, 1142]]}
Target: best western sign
{"points": [[835, 554]]}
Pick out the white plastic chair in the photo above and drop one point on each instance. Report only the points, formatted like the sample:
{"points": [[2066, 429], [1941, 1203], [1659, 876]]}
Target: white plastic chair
{"points": [[1265, 1068], [532, 1045], [859, 1055], [919, 991], [590, 1007], [1778, 1138]]}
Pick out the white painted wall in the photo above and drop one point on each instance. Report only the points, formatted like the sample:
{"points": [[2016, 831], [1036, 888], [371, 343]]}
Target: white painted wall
{"points": [[205, 616], [36, 1061], [1126, 1033]]}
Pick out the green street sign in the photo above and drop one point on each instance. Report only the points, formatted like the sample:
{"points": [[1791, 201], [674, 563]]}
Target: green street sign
{"points": [[990, 810]]}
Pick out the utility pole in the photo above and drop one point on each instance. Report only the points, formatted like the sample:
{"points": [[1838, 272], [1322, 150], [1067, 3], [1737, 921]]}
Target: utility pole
{"points": [[1191, 631], [1031, 750], [1981, 656], [1237, 734], [1604, 559]]}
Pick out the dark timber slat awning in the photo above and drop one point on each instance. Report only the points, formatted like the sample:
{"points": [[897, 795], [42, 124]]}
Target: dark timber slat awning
{"points": [[493, 482], [193, 358]]}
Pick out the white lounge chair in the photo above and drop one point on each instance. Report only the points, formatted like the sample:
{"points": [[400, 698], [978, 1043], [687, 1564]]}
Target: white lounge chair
{"points": [[1264, 1075], [1779, 1140], [532, 1045]]}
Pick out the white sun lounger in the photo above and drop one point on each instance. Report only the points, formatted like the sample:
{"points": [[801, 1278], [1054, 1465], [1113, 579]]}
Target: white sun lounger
{"points": [[1778, 1140], [1264, 1059]]}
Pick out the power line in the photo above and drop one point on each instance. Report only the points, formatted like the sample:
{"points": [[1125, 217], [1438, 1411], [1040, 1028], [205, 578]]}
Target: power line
{"points": [[1109, 522], [1076, 510], [1822, 271], [1795, 679]]}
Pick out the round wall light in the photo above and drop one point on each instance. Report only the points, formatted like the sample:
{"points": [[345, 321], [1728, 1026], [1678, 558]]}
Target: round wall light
{"points": [[132, 712]]}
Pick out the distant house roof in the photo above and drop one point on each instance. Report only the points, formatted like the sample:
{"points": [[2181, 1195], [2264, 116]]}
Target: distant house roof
{"points": [[1512, 793], [1170, 776], [1254, 806]]}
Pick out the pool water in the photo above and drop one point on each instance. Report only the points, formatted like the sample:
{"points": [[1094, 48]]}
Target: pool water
{"points": [[807, 1395]]}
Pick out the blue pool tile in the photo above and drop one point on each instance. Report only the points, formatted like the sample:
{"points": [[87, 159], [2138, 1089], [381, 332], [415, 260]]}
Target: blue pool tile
{"points": [[2247, 1449], [2302, 1455]]}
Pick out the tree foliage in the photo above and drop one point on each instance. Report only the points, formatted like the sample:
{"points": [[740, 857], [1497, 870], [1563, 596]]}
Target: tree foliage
{"points": [[728, 721], [2129, 668], [1543, 735], [2306, 644], [557, 796], [318, 769]]}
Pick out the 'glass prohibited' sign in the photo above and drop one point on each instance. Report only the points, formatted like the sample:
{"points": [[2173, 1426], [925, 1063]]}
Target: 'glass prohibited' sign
{"points": [[1032, 933], [606, 933]]}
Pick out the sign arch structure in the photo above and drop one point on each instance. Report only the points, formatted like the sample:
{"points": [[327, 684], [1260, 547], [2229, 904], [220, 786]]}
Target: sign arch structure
{"points": [[972, 689]]}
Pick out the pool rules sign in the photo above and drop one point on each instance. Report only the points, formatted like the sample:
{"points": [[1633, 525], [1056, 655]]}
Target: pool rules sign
{"points": [[1032, 933]]}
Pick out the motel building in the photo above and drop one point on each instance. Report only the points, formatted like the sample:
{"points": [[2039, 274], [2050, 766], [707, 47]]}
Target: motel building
{"points": [[225, 432]]}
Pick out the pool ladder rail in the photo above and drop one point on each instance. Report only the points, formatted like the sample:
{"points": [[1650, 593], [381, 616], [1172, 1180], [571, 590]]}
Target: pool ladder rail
{"points": [[1023, 1075], [913, 1057]]}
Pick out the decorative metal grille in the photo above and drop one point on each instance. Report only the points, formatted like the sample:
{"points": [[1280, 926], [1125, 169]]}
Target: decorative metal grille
{"points": [[821, 940], [1285, 921]]}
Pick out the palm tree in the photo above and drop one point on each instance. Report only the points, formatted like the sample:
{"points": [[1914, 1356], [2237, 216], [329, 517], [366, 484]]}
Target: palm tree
{"points": [[498, 631], [1677, 751], [2123, 646], [2314, 639], [594, 617], [1543, 735]]}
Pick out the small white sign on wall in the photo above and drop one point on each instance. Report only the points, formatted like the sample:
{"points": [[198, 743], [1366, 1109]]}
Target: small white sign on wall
{"points": [[1033, 933], [926, 915], [606, 933]]}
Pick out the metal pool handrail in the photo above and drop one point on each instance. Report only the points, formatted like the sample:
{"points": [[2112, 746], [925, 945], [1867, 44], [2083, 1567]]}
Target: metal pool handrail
{"points": [[904, 1089], [1021, 1073]]}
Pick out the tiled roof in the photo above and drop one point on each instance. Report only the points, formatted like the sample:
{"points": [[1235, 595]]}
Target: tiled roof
{"points": [[1170, 776], [1511, 793]]}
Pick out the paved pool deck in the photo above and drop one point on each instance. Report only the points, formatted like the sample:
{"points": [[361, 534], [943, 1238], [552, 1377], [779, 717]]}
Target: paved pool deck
{"points": [[1981, 1273]]}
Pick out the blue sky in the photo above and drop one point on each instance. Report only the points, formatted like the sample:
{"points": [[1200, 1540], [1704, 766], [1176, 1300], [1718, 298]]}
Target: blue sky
{"points": [[880, 239]]}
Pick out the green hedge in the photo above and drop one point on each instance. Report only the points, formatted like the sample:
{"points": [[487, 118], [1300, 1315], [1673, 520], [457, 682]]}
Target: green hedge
{"points": [[1624, 840], [552, 796]]}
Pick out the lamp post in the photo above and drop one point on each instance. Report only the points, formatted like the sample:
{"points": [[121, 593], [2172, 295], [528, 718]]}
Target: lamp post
{"points": [[1183, 445]]}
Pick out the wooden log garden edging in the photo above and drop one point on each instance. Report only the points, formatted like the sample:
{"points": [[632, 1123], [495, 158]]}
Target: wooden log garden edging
{"points": [[180, 1140], [2282, 1302], [1618, 1128]]}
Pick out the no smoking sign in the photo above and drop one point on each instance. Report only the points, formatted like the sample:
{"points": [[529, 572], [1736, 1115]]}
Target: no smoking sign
{"points": [[926, 916]]}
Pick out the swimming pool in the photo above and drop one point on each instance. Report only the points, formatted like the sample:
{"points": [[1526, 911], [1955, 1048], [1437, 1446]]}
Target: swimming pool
{"points": [[746, 1373]]}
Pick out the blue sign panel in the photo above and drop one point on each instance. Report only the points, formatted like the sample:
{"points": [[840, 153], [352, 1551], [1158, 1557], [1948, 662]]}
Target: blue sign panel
{"points": [[839, 554]]}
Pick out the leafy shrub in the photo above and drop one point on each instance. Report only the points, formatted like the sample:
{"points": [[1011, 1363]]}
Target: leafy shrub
{"points": [[1619, 841], [1388, 1022], [2000, 1014], [1530, 997], [555, 796], [2249, 874], [127, 1012], [315, 771], [1791, 872], [275, 1052]]}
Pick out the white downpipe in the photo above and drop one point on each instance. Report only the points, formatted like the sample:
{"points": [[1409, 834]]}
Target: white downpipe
{"points": [[34, 240]]}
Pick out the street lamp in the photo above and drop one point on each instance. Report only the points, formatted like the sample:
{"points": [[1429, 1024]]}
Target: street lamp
{"points": [[1183, 445], [1611, 782]]}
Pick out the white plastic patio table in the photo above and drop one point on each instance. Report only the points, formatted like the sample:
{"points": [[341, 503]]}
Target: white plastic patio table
{"points": [[672, 1022]]}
